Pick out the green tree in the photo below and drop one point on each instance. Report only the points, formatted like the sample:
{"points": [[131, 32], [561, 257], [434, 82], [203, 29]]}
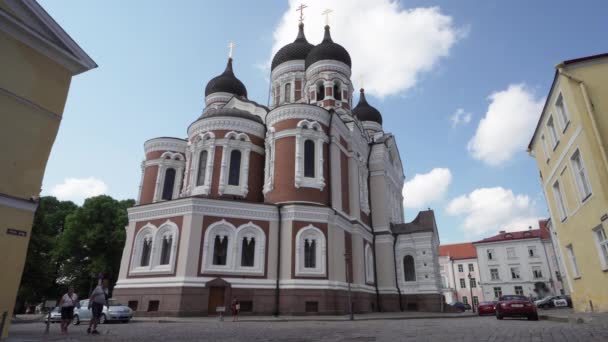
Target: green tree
{"points": [[92, 242], [40, 270]]}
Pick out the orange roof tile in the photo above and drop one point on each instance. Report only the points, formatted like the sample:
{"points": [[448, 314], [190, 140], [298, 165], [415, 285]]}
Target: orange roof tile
{"points": [[459, 251]]}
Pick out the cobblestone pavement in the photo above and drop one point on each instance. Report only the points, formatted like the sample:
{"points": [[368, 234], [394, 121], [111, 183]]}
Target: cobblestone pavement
{"points": [[432, 330]]}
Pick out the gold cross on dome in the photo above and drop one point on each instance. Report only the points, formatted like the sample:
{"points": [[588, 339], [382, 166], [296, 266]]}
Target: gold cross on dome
{"points": [[301, 10], [231, 46], [326, 13]]}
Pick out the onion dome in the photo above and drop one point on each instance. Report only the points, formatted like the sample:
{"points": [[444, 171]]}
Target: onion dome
{"points": [[230, 112], [298, 50], [226, 83], [328, 50], [364, 112]]}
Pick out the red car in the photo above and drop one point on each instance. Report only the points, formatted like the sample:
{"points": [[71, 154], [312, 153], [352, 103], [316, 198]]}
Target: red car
{"points": [[486, 308], [516, 306]]}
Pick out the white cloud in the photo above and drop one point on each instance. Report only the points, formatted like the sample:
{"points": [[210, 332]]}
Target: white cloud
{"points": [[460, 117], [390, 46], [78, 189], [488, 210], [508, 125], [426, 188]]}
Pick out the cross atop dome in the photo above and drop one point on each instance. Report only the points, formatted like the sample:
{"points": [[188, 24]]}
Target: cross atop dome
{"points": [[326, 14], [231, 46], [301, 10]]}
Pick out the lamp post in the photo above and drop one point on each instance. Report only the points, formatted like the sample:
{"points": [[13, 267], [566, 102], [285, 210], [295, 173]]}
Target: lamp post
{"points": [[471, 287], [350, 301]]}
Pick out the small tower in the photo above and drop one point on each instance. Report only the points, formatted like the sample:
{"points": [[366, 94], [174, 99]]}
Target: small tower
{"points": [[369, 116], [223, 87]]}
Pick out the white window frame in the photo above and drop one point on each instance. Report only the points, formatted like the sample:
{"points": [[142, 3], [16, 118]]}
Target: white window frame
{"points": [[169, 160], [562, 112], [537, 272], [545, 148], [309, 130], [573, 263], [511, 253], [240, 142], [534, 253], [560, 200], [227, 230], [515, 290], [145, 233], [269, 161], [515, 272], [490, 254], [203, 142], [311, 232], [580, 175], [601, 242], [492, 277], [155, 234], [369, 264], [251, 230], [553, 135]]}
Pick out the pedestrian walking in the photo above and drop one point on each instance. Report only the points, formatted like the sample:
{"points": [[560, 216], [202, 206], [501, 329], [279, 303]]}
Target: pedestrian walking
{"points": [[67, 304], [98, 299], [235, 307]]}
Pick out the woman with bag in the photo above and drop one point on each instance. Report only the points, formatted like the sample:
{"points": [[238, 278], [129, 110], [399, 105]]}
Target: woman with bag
{"points": [[235, 307], [67, 304]]}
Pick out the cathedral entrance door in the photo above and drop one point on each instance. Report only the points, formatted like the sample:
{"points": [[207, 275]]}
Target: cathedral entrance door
{"points": [[216, 298]]}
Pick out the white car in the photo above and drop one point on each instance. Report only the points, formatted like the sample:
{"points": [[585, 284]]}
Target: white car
{"points": [[114, 311]]}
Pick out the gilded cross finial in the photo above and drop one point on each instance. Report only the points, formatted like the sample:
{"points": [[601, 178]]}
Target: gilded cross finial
{"points": [[326, 13], [301, 10], [231, 46]]}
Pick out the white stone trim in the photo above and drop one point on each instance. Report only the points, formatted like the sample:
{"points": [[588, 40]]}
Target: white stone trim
{"points": [[314, 233], [328, 65], [297, 111], [287, 67], [309, 130], [369, 263], [240, 142], [225, 230], [165, 144], [154, 235], [17, 203], [216, 97], [199, 143], [226, 123], [250, 230], [269, 161], [176, 162]]}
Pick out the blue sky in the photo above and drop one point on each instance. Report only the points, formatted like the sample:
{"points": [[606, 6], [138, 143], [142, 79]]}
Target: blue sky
{"points": [[155, 58]]}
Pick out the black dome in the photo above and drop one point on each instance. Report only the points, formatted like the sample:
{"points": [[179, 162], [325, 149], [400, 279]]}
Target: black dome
{"points": [[328, 50], [226, 83], [299, 49], [364, 112], [230, 112]]}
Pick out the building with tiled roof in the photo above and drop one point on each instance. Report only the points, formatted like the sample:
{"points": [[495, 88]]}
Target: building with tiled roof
{"points": [[459, 271]]}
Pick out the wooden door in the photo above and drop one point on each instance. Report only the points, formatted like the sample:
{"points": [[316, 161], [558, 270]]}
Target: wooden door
{"points": [[216, 298]]}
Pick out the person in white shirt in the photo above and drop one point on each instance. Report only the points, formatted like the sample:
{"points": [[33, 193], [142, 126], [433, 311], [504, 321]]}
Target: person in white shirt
{"points": [[67, 304], [96, 302]]}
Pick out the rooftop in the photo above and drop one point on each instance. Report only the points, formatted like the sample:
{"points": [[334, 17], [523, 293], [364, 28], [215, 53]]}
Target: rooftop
{"points": [[542, 233], [458, 251]]}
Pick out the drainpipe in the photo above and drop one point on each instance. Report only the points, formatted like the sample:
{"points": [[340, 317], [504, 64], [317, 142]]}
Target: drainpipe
{"points": [[277, 289], [396, 277], [331, 120], [590, 111]]}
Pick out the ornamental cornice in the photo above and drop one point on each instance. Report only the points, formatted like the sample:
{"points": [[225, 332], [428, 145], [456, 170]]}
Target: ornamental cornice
{"points": [[327, 65], [228, 124], [165, 144], [285, 67], [297, 111], [218, 97]]}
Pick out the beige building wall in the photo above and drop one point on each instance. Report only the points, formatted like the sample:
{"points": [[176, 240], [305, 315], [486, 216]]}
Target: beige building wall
{"points": [[583, 85]]}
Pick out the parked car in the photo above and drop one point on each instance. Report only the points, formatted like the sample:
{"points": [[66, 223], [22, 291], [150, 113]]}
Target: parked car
{"points": [[486, 308], [516, 306], [55, 315], [568, 299], [114, 311], [553, 302], [462, 307]]}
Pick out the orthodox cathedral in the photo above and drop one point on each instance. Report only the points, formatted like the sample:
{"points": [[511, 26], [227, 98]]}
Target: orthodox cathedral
{"points": [[287, 207]]}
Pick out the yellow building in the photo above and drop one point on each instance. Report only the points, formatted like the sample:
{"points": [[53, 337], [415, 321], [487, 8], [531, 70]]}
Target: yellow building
{"points": [[569, 144], [37, 62]]}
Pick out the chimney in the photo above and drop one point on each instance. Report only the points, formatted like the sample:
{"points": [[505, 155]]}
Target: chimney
{"points": [[529, 227], [502, 231]]}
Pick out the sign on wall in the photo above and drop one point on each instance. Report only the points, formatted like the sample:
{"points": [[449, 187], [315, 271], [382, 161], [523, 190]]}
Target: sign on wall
{"points": [[16, 232]]}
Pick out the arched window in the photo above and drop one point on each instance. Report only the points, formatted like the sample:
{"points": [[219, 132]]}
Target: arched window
{"points": [[202, 168], [287, 92], [248, 251], [309, 158], [165, 250], [220, 250], [409, 270], [337, 92], [169, 184], [320, 92], [234, 173], [146, 250], [310, 252], [369, 264]]}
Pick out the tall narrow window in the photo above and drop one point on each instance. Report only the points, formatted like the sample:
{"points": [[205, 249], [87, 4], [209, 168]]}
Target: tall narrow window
{"points": [[463, 283], [202, 168], [497, 292], [490, 253], [337, 92], [169, 184], [602, 244], [146, 249], [471, 268], [320, 92], [248, 251], [537, 272], [559, 200], [494, 274], [552, 132], [562, 112], [515, 273], [309, 158], [545, 147], [409, 270], [582, 181], [519, 290], [288, 93], [573, 263], [234, 173], [220, 250], [310, 253], [165, 254]]}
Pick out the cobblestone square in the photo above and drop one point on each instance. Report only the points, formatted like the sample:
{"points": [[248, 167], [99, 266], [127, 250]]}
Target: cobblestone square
{"points": [[432, 330]]}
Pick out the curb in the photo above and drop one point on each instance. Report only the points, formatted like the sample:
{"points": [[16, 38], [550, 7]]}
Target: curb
{"points": [[555, 319]]}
